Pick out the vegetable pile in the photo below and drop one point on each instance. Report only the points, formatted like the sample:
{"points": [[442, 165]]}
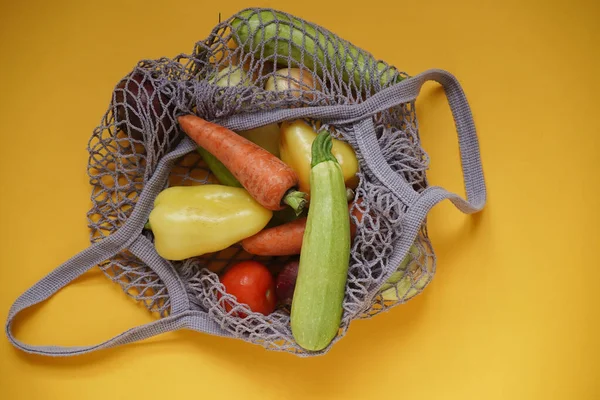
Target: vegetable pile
{"points": [[282, 191], [190, 221]]}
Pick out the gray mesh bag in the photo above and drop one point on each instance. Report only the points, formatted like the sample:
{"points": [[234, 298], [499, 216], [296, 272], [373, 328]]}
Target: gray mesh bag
{"points": [[138, 150]]}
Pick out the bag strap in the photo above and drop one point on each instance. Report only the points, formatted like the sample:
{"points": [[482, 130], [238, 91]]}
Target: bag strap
{"points": [[417, 205], [194, 320], [126, 237], [469, 151], [467, 137]]}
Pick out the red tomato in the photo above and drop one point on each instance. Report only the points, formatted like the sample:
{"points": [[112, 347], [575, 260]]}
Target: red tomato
{"points": [[252, 284]]}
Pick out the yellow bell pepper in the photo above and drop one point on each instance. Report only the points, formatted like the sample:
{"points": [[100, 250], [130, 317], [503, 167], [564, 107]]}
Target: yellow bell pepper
{"points": [[266, 137], [188, 221], [295, 144]]}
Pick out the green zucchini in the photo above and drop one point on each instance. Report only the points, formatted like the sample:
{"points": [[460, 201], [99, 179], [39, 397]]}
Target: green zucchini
{"points": [[317, 304], [267, 33], [218, 169]]}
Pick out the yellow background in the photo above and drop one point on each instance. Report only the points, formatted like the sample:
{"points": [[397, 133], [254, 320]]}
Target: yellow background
{"points": [[513, 312]]}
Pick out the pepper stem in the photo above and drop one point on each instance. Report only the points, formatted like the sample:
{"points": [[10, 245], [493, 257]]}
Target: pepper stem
{"points": [[321, 149], [147, 225], [296, 200]]}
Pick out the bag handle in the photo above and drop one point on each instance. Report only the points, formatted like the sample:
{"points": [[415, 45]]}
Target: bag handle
{"points": [[467, 137], [126, 237], [418, 205], [470, 156]]}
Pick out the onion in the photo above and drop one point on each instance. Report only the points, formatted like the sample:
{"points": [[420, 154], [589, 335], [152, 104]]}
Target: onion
{"points": [[298, 82], [136, 101], [231, 75], [286, 282]]}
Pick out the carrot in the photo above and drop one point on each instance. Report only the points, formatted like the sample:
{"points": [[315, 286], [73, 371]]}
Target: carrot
{"points": [[359, 216], [268, 179], [286, 239], [282, 240]]}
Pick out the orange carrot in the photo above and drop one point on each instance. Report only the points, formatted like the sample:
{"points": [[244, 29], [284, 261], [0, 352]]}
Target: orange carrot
{"points": [[282, 240], [268, 179], [359, 216], [286, 239]]}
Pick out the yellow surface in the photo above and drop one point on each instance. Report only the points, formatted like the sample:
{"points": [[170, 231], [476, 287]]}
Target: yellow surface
{"points": [[513, 311]]}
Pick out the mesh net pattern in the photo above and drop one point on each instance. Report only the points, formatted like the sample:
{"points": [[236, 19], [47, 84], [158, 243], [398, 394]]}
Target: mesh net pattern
{"points": [[226, 74]]}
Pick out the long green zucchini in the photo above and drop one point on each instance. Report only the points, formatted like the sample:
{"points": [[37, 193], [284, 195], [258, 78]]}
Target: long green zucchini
{"points": [[320, 287], [258, 32], [218, 169]]}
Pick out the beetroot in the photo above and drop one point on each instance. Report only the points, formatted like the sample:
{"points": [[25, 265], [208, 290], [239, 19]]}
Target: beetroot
{"points": [[286, 282], [138, 103]]}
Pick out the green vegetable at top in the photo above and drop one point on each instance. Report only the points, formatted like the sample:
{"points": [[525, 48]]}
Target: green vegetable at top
{"points": [[267, 33]]}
